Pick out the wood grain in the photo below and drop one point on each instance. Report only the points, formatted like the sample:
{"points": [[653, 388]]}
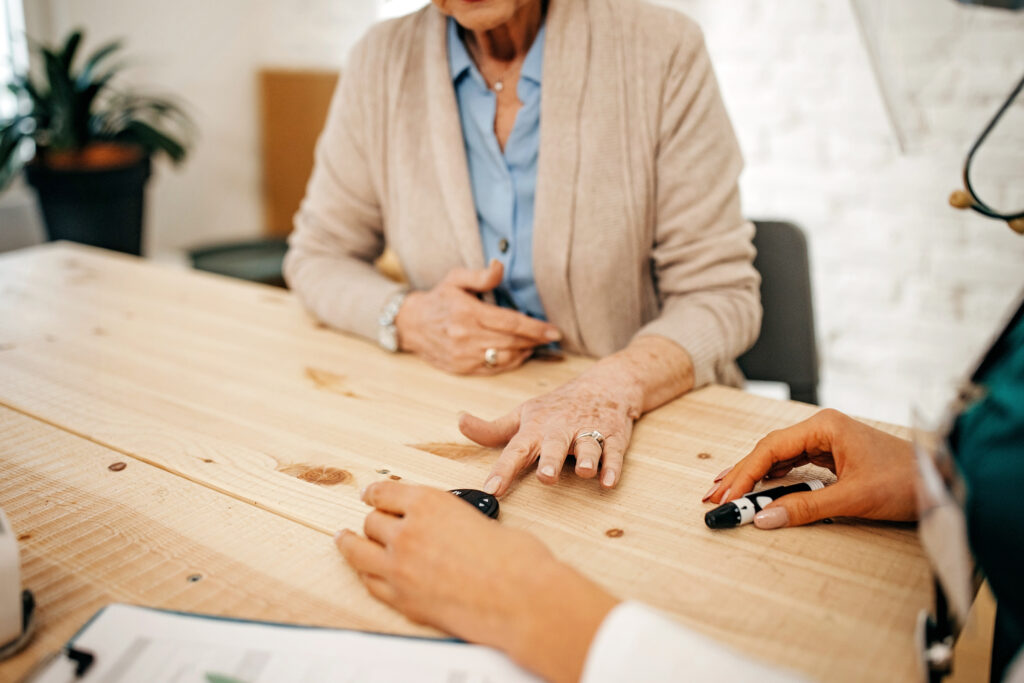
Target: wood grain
{"points": [[232, 387], [91, 535]]}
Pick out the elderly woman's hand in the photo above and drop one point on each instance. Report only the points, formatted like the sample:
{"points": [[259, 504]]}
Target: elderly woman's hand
{"points": [[453, 330], [608, 398], [875, 472], [440, 562]]}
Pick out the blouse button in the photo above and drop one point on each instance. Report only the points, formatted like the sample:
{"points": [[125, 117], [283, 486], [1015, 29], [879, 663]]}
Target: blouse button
{"points": [[503, 245]]}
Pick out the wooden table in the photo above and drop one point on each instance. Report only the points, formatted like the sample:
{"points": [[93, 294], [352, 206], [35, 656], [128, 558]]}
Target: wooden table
{"points": [[181, 440]]}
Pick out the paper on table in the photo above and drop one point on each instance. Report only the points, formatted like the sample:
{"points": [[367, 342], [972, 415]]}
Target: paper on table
{"points": [[141, 644]]}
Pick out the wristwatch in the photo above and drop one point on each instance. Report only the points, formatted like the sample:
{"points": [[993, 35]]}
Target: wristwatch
{"points": [[387, 332]]}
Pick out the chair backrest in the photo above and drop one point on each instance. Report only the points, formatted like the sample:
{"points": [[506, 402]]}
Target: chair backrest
{"points": [[786, 351], [294, 106]]}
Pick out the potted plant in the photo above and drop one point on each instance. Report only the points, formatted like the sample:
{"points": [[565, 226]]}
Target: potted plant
{"points": [[86, 146]]}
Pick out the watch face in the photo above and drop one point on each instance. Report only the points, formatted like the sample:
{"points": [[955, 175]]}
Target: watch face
{"points": [[388, 337]]}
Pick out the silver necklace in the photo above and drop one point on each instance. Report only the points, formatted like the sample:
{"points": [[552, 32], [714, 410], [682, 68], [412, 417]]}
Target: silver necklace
{"points": [[499, 83]]}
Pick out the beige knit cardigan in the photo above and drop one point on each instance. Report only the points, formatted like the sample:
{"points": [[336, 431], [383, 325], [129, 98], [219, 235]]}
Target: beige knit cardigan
{"points": [[637, 226]]}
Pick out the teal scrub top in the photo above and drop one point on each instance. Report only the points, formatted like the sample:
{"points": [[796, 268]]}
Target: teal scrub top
{"points": [[987, 442]]}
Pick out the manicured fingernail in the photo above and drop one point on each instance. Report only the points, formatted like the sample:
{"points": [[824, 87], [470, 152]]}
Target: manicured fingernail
{"points": [[341, 534], [548, 471], [586, 464], [362, 493], [553, 335], [711, 492], [461, 414], [725, 496], [609, 478], [492, 484], [721, 475], [771, 518]]}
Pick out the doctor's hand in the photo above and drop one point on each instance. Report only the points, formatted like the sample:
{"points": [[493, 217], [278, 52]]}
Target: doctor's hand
{"points": [[452, 329], [875, 472], [440, 562]]}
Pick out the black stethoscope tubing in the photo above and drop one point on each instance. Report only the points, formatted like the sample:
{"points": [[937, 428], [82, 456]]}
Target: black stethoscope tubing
{"points": [[976, 203]]}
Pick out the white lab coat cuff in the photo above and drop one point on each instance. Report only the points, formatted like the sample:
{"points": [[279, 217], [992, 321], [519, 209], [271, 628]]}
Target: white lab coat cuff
{"points": [[636, 643]]}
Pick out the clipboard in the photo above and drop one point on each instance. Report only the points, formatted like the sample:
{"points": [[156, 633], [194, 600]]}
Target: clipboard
{"points": [[132, 643]]}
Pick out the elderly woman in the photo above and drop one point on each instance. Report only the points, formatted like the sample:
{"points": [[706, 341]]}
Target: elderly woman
{"points": [[545, 172]]}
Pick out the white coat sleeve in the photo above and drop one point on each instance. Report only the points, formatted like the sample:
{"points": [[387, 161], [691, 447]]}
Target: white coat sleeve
{"points": [[636, 643]]}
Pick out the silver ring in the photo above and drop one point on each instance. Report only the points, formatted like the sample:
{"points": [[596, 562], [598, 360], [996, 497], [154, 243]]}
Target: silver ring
{"points": [[593, 434], [491, 357]]}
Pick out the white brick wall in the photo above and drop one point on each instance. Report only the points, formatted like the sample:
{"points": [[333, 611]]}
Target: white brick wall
{"points": [[907, 290]]}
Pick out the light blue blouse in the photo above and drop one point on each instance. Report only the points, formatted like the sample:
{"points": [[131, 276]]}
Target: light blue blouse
{"points": [[504, 184]]}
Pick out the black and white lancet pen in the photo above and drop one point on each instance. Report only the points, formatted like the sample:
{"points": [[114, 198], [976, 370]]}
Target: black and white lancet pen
{"points": [[484, 502], [742, 510]]}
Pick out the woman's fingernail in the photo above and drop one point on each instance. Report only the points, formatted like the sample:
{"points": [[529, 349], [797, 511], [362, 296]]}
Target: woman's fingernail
{"points": [[721, 475], [609, 478], [341, 534], [771, 518], [492, 484], [362, 493], [586, 464], [548, 471], [461, 414], [553, 335], [725, 496], [711, 492]]}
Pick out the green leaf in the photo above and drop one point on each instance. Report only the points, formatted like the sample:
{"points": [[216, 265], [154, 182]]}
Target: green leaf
{"points": [[102, 80], [21, 84], [9, 124], [99, 125], [67, 55], [83, 111], [11, 139], [85, 76], [152, 140], [62, 102]]}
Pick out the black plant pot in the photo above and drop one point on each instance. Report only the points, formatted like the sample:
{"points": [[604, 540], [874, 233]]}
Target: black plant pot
{"points": [[99, 207]]}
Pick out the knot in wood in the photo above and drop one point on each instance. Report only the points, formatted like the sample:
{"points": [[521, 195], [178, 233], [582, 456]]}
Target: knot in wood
{"points": [[321, 475]]}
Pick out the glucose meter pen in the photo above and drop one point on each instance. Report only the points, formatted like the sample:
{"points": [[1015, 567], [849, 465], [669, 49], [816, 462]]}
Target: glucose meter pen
{"points": [[742, 510]]}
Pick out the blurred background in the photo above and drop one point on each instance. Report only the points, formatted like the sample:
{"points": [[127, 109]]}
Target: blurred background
{"points": [[854, 117]]}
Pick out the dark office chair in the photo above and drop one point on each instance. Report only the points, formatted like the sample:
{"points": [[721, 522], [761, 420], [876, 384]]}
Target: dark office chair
{"points": [[256, 260], [786, 351]]}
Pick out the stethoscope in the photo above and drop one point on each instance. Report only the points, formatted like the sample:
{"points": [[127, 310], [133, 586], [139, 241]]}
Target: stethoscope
{"points": [[967, 198]]}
